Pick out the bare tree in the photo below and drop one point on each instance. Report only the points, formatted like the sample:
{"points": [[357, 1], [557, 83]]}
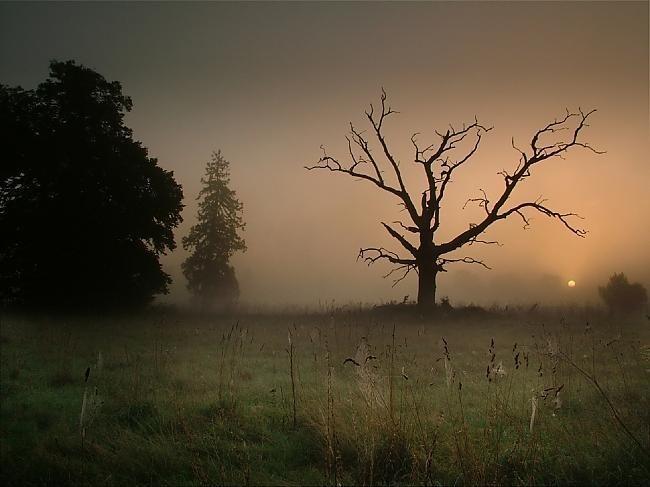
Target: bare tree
{"points": [[440, 161]]}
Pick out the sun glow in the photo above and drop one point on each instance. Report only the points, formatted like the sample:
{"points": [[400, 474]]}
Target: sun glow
{"points": [[571, 283]]}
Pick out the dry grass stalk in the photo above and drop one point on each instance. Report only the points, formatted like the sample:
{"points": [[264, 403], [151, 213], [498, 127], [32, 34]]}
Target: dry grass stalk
{"points": [[291, 374], [533, 412], [82, 416], [592, 379], [367, 379], [391, 403], [449, 371], [332, 446]]}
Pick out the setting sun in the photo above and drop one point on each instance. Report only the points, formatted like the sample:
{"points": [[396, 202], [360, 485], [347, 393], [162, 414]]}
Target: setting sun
{"points": [[571, 283]]}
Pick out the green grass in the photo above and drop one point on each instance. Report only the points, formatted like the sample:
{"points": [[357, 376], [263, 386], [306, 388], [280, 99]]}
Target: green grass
{"points": [[185, 400]]}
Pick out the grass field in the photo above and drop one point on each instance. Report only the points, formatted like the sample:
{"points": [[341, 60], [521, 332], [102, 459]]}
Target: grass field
{"points": [[508, 397]]}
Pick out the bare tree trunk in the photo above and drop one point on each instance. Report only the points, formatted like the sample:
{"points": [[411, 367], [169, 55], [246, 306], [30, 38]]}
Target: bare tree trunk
{"points": [[438, 164], [426, 285]]}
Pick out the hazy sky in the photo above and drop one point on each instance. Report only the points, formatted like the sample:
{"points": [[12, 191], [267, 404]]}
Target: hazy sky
{"points": [[269, 83]]}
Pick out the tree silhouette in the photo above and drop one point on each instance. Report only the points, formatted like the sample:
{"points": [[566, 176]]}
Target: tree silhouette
{"points": [[439, 162], [622, 297], [214, 238], [85, 213]]}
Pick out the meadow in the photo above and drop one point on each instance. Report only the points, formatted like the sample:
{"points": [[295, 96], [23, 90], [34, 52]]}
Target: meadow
{"points": [[336, 397]]}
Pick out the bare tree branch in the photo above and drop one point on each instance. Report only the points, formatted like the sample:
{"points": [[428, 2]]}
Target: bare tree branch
{"points": [[440, 161], [451, 167], [538, 205], [441, 262], [363, 144], [377, 125], [401, 239], [407, 228], [406, 268], [476, 240], [370, 255], [332, 164], [482, 201], [521, 173], [448, 142]]}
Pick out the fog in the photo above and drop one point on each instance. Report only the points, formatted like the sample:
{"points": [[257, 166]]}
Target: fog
{"points": [[269, 83]]}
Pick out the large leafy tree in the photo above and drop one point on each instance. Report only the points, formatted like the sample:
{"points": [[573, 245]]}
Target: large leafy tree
{"points": [[85, 213], [214, 238]]}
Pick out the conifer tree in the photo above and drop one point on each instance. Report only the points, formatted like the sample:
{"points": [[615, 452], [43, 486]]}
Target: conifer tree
{"points": [[214, 238]]}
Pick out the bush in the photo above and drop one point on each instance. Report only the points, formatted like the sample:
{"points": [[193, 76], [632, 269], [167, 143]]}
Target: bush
{"points": [[622, 297]]}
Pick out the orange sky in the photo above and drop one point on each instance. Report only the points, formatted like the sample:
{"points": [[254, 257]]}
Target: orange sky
{"points": [[269, 83]]}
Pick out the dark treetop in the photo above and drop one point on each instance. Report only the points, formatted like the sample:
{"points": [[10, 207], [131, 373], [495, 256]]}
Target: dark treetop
{"points": [[84, 211]]}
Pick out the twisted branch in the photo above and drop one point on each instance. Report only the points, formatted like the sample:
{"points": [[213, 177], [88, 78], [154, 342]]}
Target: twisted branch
{"points": [[526, 162], [440, 161], [441, 262]]}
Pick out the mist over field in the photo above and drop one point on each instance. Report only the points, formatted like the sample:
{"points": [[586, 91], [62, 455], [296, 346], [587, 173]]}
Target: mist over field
{"points": [[268, 84], [318, 243]]}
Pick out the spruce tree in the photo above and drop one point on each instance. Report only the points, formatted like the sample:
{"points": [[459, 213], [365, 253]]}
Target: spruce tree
{"points": [[214, 238]]}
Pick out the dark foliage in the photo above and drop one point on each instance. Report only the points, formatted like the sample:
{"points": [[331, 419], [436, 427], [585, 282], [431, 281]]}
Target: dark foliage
{"points": [[84, 211], [621, 297], [214, 238]]}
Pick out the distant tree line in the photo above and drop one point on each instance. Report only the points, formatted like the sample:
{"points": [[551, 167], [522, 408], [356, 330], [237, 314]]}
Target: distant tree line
{"points": [[85, 212]]}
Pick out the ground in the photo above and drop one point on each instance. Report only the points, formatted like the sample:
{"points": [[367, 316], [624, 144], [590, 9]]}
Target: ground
{"points": [[508, 396]]}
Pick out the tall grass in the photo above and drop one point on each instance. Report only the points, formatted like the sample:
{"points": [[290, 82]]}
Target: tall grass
{"points": [[345, 398]]}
